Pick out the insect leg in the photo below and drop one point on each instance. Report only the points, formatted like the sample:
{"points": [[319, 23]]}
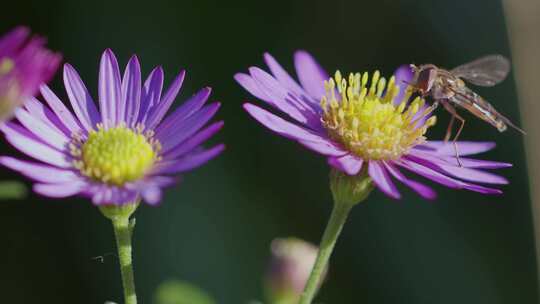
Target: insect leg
{"points": [[433, 106], [455, 115], [449, 129], [462, 121]]}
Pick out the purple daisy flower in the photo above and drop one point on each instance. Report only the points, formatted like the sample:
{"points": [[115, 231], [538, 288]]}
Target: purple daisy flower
{"points": [[361, 124], [24, 65], [124, 151]]}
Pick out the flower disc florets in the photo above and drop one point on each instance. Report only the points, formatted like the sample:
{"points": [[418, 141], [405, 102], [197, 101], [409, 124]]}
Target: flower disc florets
{"points": [[6, 66], [116, 155], [368, 121], [9, 87]]}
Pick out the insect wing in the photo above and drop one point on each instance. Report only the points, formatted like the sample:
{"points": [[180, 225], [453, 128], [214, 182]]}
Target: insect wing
{"points": [[478, 106], [485, 71], [472, 102]]}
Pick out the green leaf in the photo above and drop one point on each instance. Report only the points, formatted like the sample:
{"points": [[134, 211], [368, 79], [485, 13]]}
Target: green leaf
{"points": [[12, 190], [180, 292]]}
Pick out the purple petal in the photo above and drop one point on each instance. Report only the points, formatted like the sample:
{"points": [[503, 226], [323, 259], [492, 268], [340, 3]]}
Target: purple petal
{"points": [[465, 162], [60, 110], [111, 195], [430, 173], [151, 189], [98, 194], [310, 74], [424, 191], [190, 161], [404, 76], [279, 97], [152, 195], [163, 106], [39, 172], [459, 172], [41, 112], [380, 177], [281, 126], [194, 141], [464, 147], [59, 190], [159, 180], [187, 109], [101, 195], [122, 196], [81, 101], [282, 76], [474, 175], [48, 134], [248, 83], [14, 39], [475, 163], [292, 131], [34, 64], [349, 164], [443, 179], [325, 147], [131, 92], [482, 189], [106, 196], [151, 93], [109, 88], [182, 129], [27, 143]]}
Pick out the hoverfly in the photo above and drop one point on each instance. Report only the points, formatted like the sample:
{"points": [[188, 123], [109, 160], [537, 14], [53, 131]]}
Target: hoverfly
{"points": [[446, 87]]}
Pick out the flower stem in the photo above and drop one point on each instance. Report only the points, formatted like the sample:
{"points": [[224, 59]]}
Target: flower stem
{"points": [[123, 229], [330, 236], [122, 232]]}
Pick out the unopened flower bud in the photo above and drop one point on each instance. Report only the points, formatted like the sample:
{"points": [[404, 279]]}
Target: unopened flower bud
{"points": [[291, 264]]}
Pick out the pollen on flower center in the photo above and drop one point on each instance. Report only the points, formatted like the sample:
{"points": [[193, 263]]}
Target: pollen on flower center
{"points": [[367, 120], [6, 66], [116, 155]]}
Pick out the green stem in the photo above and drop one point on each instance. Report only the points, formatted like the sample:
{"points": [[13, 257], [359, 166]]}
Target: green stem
{"points": [[330, 236], [122, 232]]}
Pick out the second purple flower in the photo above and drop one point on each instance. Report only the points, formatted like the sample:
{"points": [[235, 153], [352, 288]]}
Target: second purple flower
{"points": [[362, 122]]}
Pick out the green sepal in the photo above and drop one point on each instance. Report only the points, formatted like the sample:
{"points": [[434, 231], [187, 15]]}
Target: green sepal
{"points": [[114, 212], [350, 189]]}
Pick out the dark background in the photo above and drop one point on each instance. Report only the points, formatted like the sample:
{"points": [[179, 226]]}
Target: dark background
{"points": [[214, 229]]}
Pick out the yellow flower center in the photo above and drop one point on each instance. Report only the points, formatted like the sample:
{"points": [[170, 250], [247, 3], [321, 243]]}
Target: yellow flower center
{"points": [[371, 124], [6, 65], [10, 95], [10, 98], [116, 155]]}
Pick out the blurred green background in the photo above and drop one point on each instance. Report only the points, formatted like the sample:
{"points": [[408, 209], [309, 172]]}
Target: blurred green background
{"points": [[215, 228]]}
